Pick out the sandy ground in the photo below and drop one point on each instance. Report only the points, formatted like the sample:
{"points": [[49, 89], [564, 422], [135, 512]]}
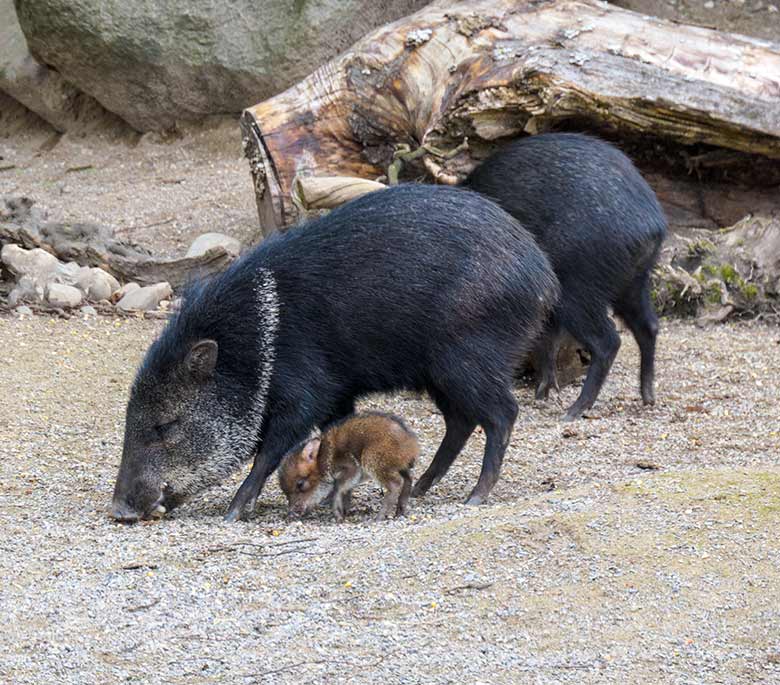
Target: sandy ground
{"points": [[159, 191], [584, 567]]}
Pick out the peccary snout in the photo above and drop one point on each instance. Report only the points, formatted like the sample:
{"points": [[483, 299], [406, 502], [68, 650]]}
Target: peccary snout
{"points": [[136, 499]]}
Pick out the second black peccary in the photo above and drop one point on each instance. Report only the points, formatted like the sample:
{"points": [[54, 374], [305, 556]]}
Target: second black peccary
{"points": [[602, 227]]}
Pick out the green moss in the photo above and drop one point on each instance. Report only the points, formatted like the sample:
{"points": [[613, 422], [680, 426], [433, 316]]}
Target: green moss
{"points": [[749, 291], [729, 274], [712, 293], [699, 248], [707, 270]]}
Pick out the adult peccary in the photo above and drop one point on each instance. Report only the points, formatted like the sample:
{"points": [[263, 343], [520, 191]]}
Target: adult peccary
{"points": [[602, 228], [415, 287]]}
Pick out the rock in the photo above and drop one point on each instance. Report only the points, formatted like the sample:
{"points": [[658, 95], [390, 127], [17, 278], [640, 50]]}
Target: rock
{"points": [[145, 299], [97, 284], [70, 273], [37, 87], [65, 296], [124, 290], [183, 61], [88, 311], [27, 289], [36, 263], [203, 243], [23, 310]]}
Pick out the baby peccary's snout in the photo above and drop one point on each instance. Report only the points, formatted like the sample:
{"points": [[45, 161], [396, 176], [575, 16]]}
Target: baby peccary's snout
{"points": [[370, 445]]}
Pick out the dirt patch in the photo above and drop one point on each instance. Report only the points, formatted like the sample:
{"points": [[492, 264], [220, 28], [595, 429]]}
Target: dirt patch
{"points": [[161, 191], [664, 573]]}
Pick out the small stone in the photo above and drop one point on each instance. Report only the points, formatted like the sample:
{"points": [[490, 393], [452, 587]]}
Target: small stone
{"points": [[88, 311], [145, 299], [27, 289], [61, 295], [37, 263], [23, 310], [203, 243], [709, 4], [98, 284], [70, 273], [124, 290]]}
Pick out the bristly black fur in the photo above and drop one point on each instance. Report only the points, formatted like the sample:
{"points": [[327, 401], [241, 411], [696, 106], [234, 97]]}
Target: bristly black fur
{"points": [[602, 227], [415, 287]]}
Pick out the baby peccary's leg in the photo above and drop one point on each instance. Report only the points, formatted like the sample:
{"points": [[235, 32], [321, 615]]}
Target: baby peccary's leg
{"points": [[406, 491], [347, 477], [340, 502], [393, 486]]}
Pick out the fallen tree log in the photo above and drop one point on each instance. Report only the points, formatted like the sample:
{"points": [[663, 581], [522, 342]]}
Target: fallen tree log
{"points": [[716, 275], [490, 69]]}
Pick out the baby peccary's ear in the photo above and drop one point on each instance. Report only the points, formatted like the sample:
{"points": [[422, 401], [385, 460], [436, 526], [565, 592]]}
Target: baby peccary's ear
{"points": [[311, 450], [202, 359]]}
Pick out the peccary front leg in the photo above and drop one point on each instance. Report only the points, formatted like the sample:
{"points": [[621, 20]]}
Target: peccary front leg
{"points": [[347, 478], [246, 496]]}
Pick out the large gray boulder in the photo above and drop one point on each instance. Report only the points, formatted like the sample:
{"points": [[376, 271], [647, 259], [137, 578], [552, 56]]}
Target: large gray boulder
{"points": [[36, 86], [156, 63]]}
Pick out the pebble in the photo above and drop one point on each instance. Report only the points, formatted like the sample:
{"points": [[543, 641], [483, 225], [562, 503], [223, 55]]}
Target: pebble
{"points": [[146, 298], [208, 241], [124, 290], [61, 295]]}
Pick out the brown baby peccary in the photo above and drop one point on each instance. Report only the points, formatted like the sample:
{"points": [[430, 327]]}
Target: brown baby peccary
{"points": [[362, 446]]}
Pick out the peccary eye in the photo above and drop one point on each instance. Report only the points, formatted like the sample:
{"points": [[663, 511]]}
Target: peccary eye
{"points": [[301, 485], [164, 429]]}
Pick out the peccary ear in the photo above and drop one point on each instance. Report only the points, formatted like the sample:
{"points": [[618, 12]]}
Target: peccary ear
{"points": [[202, 359], [311, 449]]}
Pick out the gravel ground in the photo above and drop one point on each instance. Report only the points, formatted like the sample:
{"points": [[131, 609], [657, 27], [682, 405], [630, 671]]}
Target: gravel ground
{"points": [[584, 567]]}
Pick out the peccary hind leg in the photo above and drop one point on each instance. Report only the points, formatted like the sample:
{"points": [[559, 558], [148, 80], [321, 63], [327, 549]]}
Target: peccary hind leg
{"points": [[598, 335], [393, 488], [457, 433], [498, 430], [546, 354], [636, 309], [406, 491]]}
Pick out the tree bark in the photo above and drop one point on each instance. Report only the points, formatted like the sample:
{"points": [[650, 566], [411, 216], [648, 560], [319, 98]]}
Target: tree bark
{"points": [[489, 69]]}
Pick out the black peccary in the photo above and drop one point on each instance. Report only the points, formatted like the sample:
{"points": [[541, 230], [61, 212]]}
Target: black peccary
{"points": [[416, 287], [602, 228]]}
